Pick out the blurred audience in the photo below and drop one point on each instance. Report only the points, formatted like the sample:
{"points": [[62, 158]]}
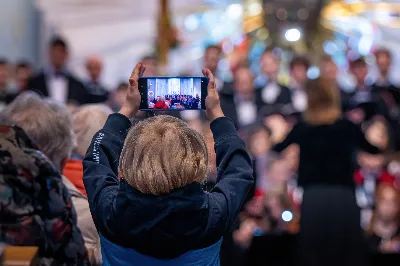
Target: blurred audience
{"points": [[97, 93], [279, 127], [329, 72], [273, 92], [384, 230], [23, 72], [259, 140], [383, 85], [212, 55], [298, 72], [241, 105], [118, 96], [37, 208], [364, 102], [152, 66], [373, 168], [263, 116], [56, 82], [5, 96]]}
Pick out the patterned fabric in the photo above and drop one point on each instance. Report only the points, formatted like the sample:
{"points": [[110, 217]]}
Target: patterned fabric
{"points": [[35, 207]]}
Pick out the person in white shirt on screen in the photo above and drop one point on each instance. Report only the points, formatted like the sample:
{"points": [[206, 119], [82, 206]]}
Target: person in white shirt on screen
{"points": [[56, 82]]}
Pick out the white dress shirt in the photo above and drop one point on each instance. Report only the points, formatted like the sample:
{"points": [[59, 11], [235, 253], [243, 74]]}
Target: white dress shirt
{"points": [[271, 92], [298, 96], [246, 112], [57, 86]]}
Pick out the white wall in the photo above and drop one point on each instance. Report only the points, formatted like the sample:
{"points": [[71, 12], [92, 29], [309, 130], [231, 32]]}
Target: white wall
{"points": [[19, 30]]}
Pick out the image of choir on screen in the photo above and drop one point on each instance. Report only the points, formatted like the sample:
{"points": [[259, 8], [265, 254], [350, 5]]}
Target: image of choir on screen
{"points": [[174, 93]]}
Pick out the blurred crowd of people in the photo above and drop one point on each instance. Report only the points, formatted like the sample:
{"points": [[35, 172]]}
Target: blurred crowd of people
{"points": [[263, 116], [175, 102]]}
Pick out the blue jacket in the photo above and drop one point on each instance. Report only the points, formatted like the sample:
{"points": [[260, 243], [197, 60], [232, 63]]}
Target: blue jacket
{"points": [[166, 226], [115, 255]]}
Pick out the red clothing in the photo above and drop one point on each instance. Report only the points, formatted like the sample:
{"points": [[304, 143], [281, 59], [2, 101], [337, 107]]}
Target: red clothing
{"points": [[73, 170], [160, 105], [384, 177]]}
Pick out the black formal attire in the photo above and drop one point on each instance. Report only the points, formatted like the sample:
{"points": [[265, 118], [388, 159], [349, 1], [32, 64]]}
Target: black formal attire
{"points": [[243, 112], [369, 101], [389, 90], [330, 230], [6, 97], [97, 93], [76, 92], [274, 93]]}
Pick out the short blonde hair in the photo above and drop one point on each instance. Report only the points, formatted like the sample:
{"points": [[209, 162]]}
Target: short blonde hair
{"points": [[47, 122], [323, 102], [87, 120], [161, 154]]}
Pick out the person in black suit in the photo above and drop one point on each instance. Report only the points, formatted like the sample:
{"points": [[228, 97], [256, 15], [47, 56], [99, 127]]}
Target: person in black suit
{"points": [[329, 72], [298, 79], [389, 92], [97, 93], [56, 82], [273, 93], [364, 102], [241, 105]]}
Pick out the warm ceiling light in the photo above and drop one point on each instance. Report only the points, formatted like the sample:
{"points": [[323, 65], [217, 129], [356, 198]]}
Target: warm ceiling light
{"points": [[293, 35]]}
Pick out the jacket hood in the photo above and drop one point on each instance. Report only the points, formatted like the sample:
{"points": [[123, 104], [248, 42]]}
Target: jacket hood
{"points": [[180, 214], [22, 162]]}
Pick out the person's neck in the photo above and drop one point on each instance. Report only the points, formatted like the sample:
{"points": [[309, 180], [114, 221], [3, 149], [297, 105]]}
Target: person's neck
{"points": [[95, 80], [298, 85], [384, 228], [244, 96], [58, 68], [361, 85], [272, 79], [383, 78]]}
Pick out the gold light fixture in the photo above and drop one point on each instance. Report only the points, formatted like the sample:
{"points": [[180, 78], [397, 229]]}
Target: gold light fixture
{"points": [[338, 10]]}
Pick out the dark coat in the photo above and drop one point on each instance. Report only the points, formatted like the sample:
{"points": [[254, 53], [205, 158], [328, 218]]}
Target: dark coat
{"points": [[36, 208], [165, 226], [77, 92]]}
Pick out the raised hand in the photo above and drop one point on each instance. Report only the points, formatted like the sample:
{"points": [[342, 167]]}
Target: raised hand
{"points": [[132, 101], [213, 107]]}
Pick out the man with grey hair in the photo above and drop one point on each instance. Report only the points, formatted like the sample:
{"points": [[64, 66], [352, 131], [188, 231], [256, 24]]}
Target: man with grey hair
{"points": [[36, 208]]}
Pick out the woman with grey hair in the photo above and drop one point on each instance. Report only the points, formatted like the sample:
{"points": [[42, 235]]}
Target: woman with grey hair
{"points": [[87, 120], [36, 206]]}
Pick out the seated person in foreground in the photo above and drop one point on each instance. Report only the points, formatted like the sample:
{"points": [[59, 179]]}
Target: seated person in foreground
{"points": [[36, 207], [158, 213]]}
